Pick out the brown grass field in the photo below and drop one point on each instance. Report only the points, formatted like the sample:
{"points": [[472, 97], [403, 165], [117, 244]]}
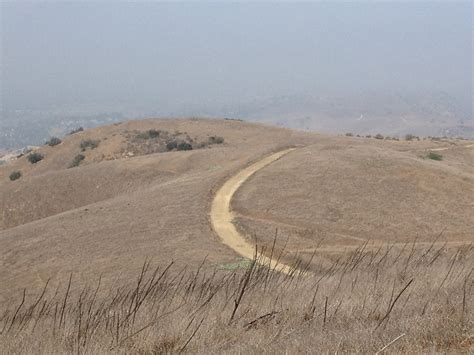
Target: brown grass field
{"points": [[118, 255]]}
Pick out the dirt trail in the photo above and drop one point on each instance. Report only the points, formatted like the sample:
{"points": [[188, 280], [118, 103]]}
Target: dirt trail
{"points": [[222, 215], [449, 148], [222, 218]]}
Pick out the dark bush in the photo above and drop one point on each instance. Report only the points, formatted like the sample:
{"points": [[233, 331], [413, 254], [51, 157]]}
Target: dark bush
{"points": [[77, 160], [434, 156], [53, 141], [80, 129], [89, 144], [410, 137], [378, 136], [349, 134], [216, 140], [33, 158], [172, 145], [151, 133], [184, 146], [15, 175]]}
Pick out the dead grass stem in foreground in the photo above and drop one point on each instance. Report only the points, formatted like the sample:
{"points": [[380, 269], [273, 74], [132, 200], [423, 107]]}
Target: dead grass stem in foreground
{"points": [[381, 300]]}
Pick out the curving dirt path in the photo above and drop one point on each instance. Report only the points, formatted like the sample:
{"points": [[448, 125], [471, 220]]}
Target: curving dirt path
{"points": [[222, 215]]}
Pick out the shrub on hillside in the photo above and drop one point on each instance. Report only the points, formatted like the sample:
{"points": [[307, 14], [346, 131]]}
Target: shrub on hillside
{"points": [[80, 129], [77, 160], [89, 144], [151, 133], [410, 137], [53, 141], [378, 136], [15, 175], [215, 140], [171, 145], [184, 146], [434, 156], [349, 134], [33, 158]]}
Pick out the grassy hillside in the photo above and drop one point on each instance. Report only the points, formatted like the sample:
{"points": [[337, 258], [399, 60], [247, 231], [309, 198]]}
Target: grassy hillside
{"points": [[107, 216], [360, 217]]}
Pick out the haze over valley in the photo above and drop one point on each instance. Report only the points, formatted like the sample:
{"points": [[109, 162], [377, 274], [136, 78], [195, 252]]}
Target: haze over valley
{"points": [[213, 178]]}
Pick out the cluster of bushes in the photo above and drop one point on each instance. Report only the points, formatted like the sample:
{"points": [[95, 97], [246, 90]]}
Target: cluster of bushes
{"points": [[150, 134], [53, 141], [89, 144], [15, 175], [411, 137], [377, 136], [77, 160], [177, 145], [159, 141]]}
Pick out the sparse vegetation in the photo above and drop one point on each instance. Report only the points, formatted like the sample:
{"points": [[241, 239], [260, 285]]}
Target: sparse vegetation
{"points": [[34, 158], [77, 130], [151, 133], [184, 146], [434, 156], [77, 160], [349, 134], [158, 141], [89, 144], [406, 300], [378, 136], [233, 119], [53, 141], [171, 145], [215, 140], [15, 175], [411, 137]]}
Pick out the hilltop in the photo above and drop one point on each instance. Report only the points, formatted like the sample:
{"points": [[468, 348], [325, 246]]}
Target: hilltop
{"points": [[127, 200]]}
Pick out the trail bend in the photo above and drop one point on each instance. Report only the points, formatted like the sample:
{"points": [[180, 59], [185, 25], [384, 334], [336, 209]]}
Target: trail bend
{"points": [[222, 215]]}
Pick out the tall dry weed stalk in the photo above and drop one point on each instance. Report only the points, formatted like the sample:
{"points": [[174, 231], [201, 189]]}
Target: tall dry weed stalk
{"points": [[372, 299]]}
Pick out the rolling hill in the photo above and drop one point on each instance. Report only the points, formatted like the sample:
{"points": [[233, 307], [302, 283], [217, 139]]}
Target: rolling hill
{"points": [[140, 193]]}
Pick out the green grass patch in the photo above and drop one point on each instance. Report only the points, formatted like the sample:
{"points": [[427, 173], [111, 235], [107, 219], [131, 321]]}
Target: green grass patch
{"points": [[242, 263]]}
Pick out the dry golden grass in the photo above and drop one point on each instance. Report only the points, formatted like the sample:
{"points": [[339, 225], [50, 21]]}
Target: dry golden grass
{"points": [[326, 198], [391, 299], [351, 192]]}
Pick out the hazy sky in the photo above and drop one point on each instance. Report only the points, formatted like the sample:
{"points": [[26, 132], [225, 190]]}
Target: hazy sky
{"points": [[63, 53]]}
